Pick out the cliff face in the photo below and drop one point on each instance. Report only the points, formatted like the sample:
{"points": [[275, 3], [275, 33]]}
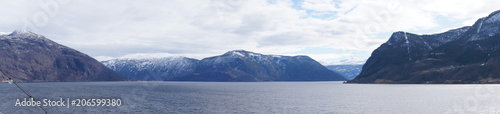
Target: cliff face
{"points": [[464, 55], [30, 57]]}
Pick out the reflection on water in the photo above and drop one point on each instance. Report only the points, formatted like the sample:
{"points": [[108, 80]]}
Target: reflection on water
{"points": [[260, 97]]}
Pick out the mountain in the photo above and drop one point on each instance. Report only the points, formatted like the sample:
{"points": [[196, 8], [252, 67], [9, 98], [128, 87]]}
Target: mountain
{"points": [[153, 69], [347, 71], [464, 55], [238, 65], [29, 57]]}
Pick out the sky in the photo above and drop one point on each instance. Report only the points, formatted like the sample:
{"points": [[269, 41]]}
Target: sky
{"points": [[329, 31]]}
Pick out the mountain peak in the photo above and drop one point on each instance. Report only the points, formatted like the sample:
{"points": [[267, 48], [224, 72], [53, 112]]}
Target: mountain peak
{"points": [[456, 56], [21, 31], [399, 37], [41, 59], [493, 17], [484, 28], [24, 33], [241, 53]]}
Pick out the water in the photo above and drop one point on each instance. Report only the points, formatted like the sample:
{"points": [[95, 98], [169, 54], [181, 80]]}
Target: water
{"points": [[260, 97]]}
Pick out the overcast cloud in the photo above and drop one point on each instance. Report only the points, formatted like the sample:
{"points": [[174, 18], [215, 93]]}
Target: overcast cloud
{"points": [[340, 29]]}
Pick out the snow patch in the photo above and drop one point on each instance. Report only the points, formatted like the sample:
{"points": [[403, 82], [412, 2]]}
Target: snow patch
{"points": [[408, 46], [276, 56], [238, 53], [493, 18], [165, 66], [479, 46], [480, 25], [253, 54], [24, 33], [425, 42]]}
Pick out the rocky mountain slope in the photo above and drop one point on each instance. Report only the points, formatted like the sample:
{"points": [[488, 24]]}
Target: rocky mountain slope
{"points": [[30, 57], [464, 55]]}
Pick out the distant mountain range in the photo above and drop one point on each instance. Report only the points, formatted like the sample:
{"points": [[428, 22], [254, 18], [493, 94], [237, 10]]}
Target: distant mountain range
{"points": [[347, 71], [153, 69], [29, 57], [465, 55], [238, 65]]}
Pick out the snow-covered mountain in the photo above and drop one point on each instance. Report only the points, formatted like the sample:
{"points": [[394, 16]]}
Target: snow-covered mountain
{"points": [[31, 57], [463, 55], [346, 61], [238, 65], [241, 65], [484, 28], [152, 69], [349, 71]]}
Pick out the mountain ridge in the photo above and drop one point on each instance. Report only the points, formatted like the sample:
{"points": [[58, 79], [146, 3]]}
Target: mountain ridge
{"points": [[241, 65], [30, 57], [152, 69], [348, 71], [464, 55]]}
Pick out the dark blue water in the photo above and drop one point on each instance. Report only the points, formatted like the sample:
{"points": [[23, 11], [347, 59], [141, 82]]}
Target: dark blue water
{"points": [[260, 97]]}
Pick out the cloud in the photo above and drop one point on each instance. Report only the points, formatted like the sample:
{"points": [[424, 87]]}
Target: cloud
{"points": [[203, 28], [319, 5], [4, 33]]}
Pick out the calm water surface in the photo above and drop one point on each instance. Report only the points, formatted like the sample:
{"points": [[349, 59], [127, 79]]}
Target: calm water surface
{"points": [[260, 97]]}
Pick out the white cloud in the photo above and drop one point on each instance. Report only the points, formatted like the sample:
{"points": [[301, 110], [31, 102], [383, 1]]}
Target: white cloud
{"points": [[459, 9], [469, 22], [319, 5], [202, 28], [5, 33]]}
